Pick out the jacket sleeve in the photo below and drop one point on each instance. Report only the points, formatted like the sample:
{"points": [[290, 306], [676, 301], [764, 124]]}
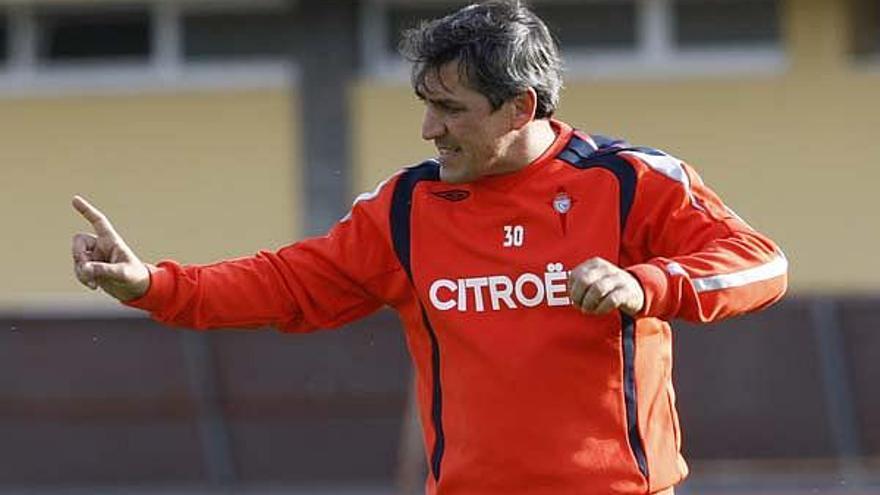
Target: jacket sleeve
{"points": [[316, 283], [694, 257]]}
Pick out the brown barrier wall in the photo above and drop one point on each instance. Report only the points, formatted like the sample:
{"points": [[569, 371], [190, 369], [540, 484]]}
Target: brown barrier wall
{"points": [[124, 400]]}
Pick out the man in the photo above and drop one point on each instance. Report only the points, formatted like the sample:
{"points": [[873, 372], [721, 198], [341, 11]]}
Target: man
{"points": [[534, 267]]}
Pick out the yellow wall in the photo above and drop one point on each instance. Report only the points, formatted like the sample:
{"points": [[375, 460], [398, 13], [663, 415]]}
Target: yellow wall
{"points": [[797, 154], [193, 176]]}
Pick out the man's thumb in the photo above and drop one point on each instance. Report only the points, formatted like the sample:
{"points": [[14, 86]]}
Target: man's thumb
{"points": [[97, 270]]}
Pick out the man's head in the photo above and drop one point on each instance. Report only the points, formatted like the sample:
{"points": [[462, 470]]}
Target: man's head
{"points": [[485, 72]]}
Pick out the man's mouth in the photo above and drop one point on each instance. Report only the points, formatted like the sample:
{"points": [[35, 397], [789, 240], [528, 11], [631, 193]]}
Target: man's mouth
{"points": [[445, 152]]}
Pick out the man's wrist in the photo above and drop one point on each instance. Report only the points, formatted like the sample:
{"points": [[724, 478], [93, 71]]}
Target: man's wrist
{"points": [[654, 284], [155, 288]]}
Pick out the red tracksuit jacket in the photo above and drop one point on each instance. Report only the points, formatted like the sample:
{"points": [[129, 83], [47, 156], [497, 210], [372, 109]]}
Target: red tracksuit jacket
{"points": [[519, 392]]}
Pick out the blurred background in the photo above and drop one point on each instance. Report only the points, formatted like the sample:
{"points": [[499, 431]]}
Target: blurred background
{"points": [[212, 129]]}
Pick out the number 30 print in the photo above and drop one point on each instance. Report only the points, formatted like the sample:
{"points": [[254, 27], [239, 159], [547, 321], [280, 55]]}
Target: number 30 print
{"points": [[513, 235]]}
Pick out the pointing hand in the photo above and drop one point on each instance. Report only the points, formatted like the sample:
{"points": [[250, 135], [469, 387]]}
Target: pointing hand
{"points": [[104, 260]]}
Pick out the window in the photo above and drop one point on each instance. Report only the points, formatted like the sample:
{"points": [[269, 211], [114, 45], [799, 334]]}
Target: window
{"points": [[135, 45], [865, 18], [111, 33], [641, 38], [237, 35], [725, 23], [4, 37], [598, 25], [401, 17], [593, 27]]}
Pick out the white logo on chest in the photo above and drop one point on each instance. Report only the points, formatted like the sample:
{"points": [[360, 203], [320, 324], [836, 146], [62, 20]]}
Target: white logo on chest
{"points": [[528, 290]]}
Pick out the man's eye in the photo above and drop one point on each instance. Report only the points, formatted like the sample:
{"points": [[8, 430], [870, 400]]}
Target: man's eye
{"points": [[444, 107]]}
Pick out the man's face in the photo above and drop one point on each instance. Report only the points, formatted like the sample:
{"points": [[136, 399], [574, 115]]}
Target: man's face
{"points": [[470, 137]]}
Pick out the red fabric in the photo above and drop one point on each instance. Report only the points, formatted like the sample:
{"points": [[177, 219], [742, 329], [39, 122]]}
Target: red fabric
{"points": [[532, 390]]}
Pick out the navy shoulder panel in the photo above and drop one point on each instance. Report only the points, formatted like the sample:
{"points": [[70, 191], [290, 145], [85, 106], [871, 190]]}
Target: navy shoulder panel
{"points": [[401, 207], [582, 155], [604, 142]]}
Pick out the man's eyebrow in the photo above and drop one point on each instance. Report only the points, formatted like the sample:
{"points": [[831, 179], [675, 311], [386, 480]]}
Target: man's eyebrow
{"points": [[446, 102]]}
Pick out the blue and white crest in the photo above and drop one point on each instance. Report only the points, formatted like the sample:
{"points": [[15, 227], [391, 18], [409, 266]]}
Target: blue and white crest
{"points": [[562, 203]]}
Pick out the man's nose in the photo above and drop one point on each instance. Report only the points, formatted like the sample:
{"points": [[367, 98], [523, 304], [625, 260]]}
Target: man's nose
{"points": [[432, 126]]}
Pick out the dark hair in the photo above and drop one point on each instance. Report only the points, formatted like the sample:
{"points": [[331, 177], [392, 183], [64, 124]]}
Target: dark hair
{"points": [[501, 46]]}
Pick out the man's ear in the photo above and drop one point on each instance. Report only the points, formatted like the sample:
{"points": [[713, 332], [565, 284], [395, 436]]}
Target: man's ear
{"points": [[525, 105]]}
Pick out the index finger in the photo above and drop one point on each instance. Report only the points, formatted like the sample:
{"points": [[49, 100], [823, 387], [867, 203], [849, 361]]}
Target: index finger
{"points": [[98, 220]]}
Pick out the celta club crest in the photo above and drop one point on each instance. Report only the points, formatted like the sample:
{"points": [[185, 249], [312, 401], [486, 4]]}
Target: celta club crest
{"points": [[562, 204]]}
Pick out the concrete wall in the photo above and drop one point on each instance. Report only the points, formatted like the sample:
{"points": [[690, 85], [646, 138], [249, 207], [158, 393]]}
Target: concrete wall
{"points": [[194, 176], [795, 153]]}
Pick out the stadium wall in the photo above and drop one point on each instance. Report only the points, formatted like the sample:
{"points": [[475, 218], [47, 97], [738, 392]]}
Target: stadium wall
{"points": [[793, 151]]}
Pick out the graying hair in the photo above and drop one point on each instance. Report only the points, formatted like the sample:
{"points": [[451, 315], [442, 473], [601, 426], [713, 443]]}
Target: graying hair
{"points": [[501, 46]]}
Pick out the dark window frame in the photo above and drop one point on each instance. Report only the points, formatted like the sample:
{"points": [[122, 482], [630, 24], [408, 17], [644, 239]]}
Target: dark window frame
{"points": [[693, 30], [864, 17], [193, 48], [550, 11], [5, 33], [136, 21]]}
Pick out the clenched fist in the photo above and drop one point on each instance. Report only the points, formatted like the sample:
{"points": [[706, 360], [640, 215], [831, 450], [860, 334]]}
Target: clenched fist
{"points": [[104, 260], [598, 286]]}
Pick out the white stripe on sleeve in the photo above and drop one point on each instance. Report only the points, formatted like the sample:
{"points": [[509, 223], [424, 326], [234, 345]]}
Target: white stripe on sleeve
{"points": [[775, 268]]}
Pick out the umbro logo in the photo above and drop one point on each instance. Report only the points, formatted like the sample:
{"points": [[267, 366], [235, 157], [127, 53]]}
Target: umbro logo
{"points": [[452, 194]]}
